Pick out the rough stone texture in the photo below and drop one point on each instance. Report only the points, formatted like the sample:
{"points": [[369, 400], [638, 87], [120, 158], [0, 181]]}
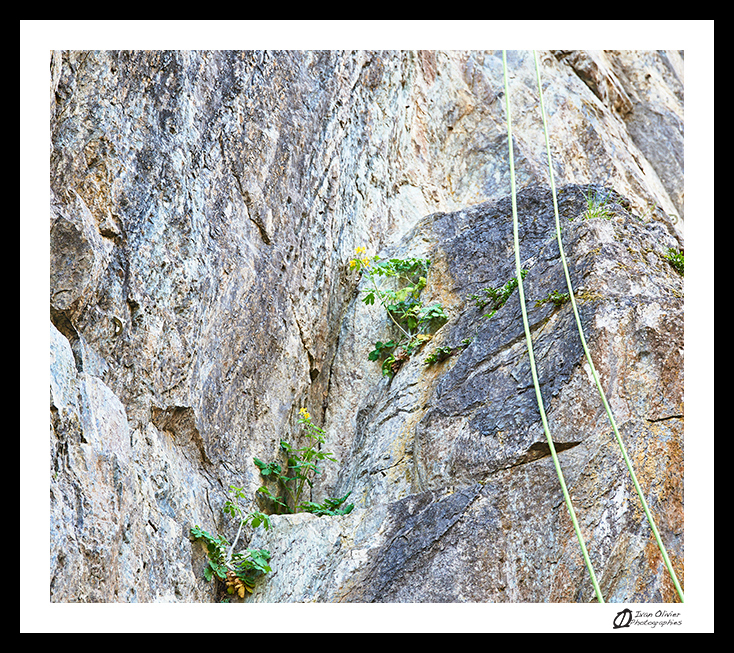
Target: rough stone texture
{"points": [[454, 455], [204, 206]]}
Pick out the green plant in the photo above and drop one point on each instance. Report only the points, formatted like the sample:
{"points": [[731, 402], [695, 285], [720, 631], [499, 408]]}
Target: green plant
{"points": [[301, 469], [382, 349], [496, 297], [442, 353], [596, 206], [238, 570], [330, 507], [676, 259], [558, 298], [402, 303], [439, 354]]}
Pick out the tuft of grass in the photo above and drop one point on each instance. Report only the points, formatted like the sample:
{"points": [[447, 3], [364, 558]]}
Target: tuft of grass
{"points": [[596, 206]]}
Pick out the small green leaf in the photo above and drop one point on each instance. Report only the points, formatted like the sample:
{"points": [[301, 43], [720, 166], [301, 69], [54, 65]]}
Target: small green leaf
{"points": [[266, 469], [263, 490]]}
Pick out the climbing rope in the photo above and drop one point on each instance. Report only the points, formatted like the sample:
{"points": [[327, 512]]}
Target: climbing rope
{"points": [[586, 349], [529, 341]]}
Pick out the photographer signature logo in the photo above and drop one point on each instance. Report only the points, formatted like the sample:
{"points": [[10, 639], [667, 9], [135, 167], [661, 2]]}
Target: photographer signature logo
{"points": [[658, 619], [623, 619]]}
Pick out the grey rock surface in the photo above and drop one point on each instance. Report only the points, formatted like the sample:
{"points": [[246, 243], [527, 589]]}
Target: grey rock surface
{"points": [[203, 210], [454, 454]]}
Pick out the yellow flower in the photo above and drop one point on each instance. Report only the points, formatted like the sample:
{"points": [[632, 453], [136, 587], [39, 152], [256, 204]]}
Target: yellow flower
{"points": [[361, 250], [353, 264], [304, 414], [366, 262]]}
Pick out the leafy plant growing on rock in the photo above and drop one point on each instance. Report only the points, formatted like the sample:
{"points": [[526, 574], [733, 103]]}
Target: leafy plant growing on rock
{"points": [[238, 570], [558, 298], [329, 507], [301, 469], [495, 297], [676, 259], [437, 355], [442, 353], [402, 303]]}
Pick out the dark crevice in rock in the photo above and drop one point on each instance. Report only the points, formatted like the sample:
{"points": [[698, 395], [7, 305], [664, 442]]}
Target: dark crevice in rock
{"points": [[663, 419], [540, 450], [64, 325], [180, 422]]}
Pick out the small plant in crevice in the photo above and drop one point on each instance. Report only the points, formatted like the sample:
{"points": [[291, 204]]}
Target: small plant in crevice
{"points": [[301, 469], [557, 298], [330, 507], [676, 259], [440, 354], [401, 300], [238, 570], [495, 298], [596, 206]]}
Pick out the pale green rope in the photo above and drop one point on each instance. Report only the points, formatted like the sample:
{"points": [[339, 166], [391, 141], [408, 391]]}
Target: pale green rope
{"points": [[586, 349], [528, 339]]}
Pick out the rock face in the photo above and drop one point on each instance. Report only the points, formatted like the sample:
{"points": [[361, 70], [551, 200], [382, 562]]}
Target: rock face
{"points": [[204, 208], [453, 456]]}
